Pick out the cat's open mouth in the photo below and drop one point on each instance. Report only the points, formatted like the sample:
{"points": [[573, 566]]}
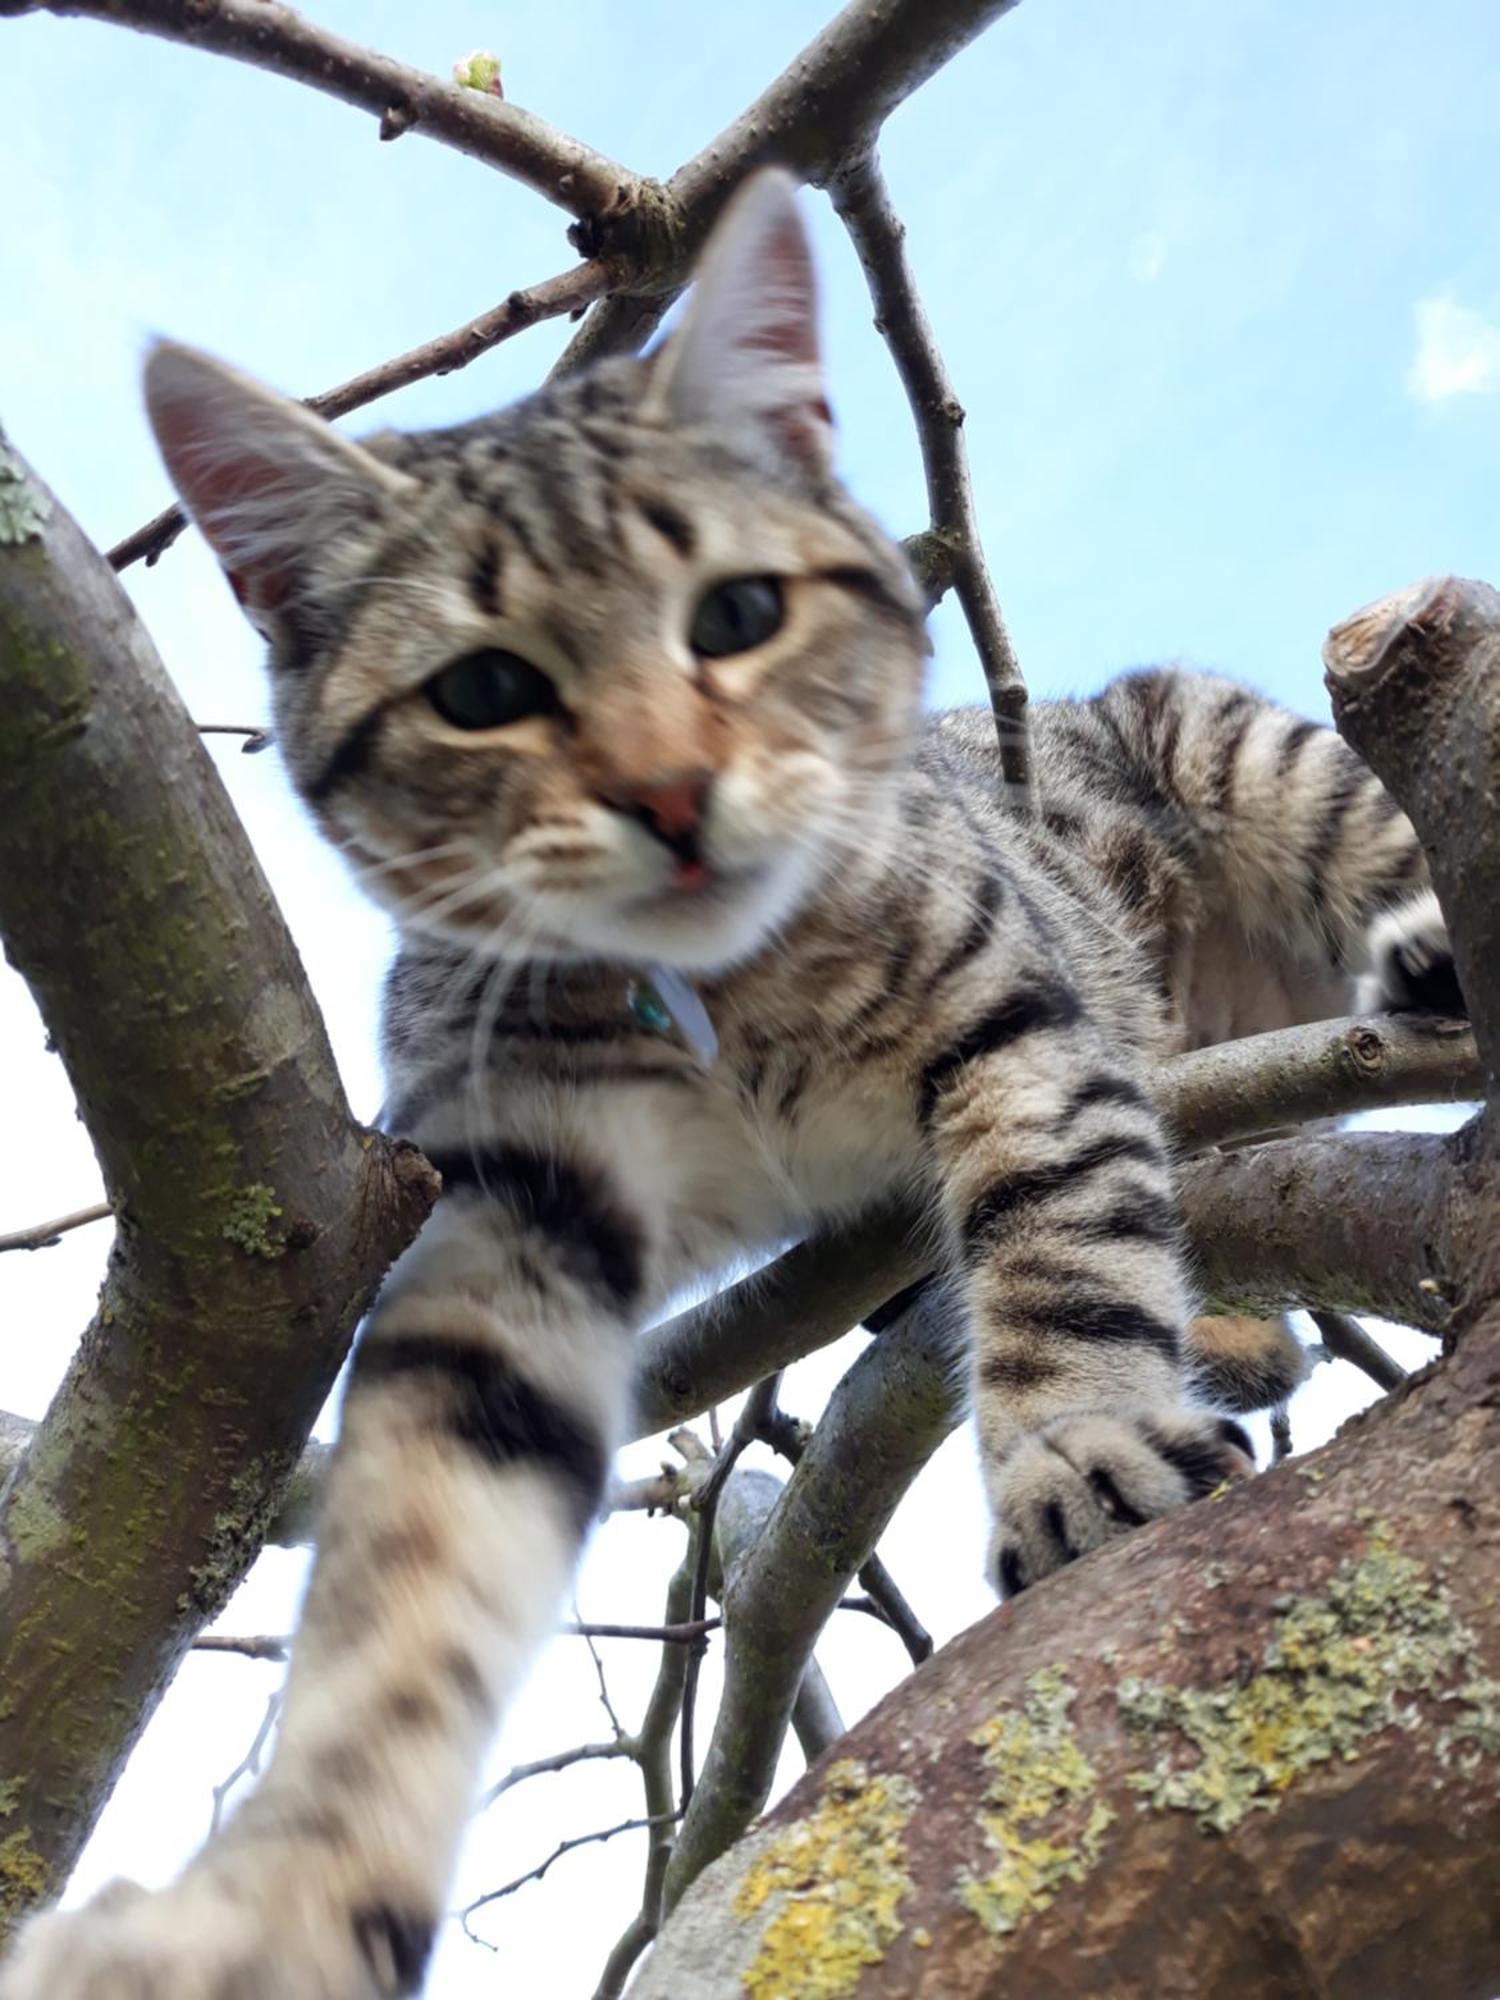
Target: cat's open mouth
{"points": [[699, 884]]}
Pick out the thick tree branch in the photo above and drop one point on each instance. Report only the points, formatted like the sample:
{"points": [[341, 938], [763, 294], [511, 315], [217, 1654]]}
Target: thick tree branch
{"points": [[828, 104], [1328, 1069], [254, 1216], [1356, 1220], [1241, 1713], [276, 38], [750, 1499], [1413, 683], [952, 546]]}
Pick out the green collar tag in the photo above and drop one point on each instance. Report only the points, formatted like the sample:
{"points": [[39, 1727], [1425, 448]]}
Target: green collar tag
{"points": [[647, 1008], [662, 1001]]}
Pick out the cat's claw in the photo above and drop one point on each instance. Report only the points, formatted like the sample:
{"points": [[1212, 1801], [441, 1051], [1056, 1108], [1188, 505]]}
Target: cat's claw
{"points": [[210, 1937], [1411, 963], [1088, 1478]]}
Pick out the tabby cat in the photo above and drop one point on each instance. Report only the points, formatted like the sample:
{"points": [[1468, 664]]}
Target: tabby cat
{"points": [[613, 699]]}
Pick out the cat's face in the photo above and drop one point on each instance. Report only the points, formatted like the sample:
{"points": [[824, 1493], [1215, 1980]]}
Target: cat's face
{"points": [[620, 673]]}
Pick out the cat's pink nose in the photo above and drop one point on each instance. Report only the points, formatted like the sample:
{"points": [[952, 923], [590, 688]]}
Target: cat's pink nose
{"points": [[673, 809]]}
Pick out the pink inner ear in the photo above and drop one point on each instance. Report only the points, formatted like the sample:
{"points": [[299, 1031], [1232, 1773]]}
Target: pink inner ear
{"points": [[786, 330], [222, 489]]}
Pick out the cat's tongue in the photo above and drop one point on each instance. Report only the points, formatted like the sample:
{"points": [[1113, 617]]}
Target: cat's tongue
{"points": [[689, 875]]}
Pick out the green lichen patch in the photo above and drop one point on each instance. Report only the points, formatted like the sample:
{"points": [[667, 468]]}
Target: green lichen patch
{"points": [[24, 507], [24, 1877], [248, 1222], [1043, 1820], [1339, 1666], [838, 1876]]}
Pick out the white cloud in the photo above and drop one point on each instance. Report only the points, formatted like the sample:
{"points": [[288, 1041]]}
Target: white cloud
{"points": [[1458, 352]]}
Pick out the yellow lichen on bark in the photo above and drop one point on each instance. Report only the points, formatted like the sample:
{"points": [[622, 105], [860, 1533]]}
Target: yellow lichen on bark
{"points": [[837, 1878]]}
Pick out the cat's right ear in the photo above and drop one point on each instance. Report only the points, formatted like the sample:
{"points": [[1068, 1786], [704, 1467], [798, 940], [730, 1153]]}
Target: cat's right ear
{"points": [[265, 479], [745, 360]]}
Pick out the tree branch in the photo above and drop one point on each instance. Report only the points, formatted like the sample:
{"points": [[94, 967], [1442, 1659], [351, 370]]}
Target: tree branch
{"points": [[276, 38], [563, 1847], [813, 1294], [1360, 1221], [828, 103], [1328, 1069], [44, 1235], [255, 1217], [1346, 1339], [882, 1423], [863, 201], [568, 292], [1308, 1667], [1412, 680], [750, 1499]]}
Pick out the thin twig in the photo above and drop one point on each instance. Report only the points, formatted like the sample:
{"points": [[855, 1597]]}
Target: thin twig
{"points": [[654, 1756], [686, 1632], [249, 1764], [250, 1647], [45, 1234], [757, 1409], [863, 201], [586, 1634], [560, 1760], [257, 738], [1347, 1340], [567, 292], [563, 1847]]}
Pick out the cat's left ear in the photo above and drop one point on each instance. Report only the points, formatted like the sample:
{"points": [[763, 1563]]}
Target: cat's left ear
{"points": [[746, 358]]}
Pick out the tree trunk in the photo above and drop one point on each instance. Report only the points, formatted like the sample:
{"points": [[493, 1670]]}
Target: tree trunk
{"points": [[254, 1216]]}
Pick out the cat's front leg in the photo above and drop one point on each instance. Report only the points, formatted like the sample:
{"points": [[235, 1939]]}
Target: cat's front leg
{"points": [[485, 1401], [1057, 1195]]}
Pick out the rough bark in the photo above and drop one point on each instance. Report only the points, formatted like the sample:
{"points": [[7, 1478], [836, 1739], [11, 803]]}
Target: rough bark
{"points": [[1255, 1747], [254, 1216], [1331, 1635]]}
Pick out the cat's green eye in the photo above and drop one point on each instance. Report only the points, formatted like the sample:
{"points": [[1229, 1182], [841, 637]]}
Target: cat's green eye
{"points": [[734, 617], [488, 689]]}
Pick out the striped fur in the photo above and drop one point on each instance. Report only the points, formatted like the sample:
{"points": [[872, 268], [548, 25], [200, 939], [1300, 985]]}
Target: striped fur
{"points": [[914, 991]]}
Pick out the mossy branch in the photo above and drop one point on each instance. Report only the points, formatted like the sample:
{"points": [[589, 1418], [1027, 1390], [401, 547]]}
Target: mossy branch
{"points": [[254, 1217]]}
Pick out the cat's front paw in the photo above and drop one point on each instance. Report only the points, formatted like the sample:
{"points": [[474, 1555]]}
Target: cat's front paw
{"points": [[1088, 1478], [1411, 963], [216, 1936]]}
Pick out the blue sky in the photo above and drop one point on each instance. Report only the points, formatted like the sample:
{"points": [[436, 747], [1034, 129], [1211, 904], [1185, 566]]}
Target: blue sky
{"points": [[1176, 255], [1219, 286]]}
